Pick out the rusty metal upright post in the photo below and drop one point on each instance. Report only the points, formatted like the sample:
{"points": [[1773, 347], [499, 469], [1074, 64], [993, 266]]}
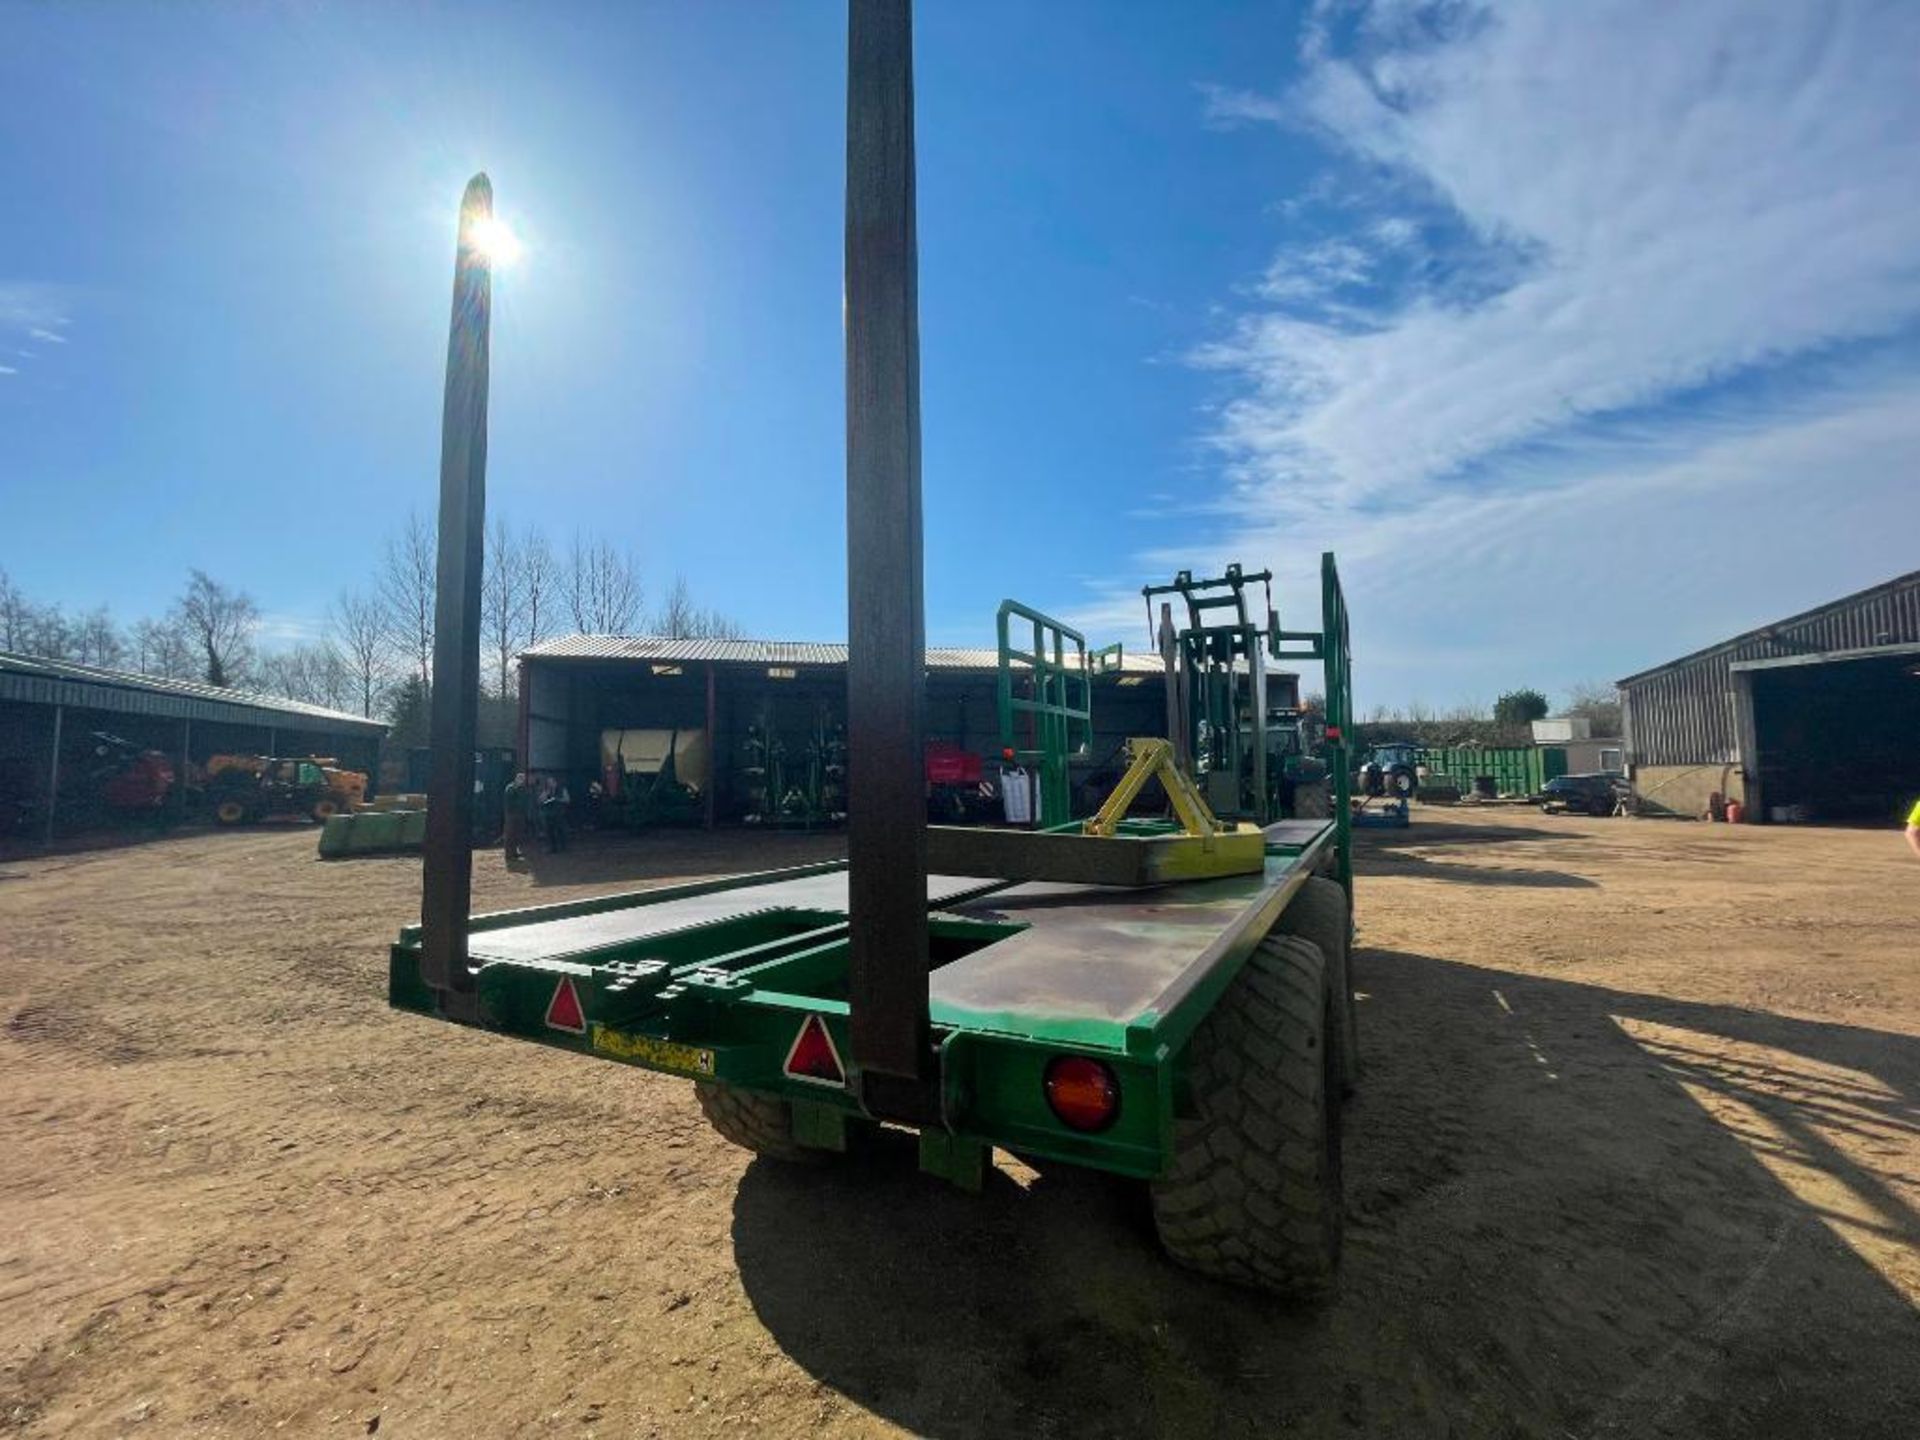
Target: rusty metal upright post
{"points": [[447, 888], [886, 626]]}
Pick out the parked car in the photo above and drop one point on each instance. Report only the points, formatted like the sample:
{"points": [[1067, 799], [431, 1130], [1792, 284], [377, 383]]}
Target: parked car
{"points": [[1595, 794]]}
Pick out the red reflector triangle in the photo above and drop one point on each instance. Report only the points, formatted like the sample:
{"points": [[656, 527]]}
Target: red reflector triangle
{"points": [[563, 1011], [813, 1056]]}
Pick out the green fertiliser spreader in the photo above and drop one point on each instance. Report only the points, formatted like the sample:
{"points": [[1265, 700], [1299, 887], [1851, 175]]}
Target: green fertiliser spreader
{"points": [[1167, 1001]]}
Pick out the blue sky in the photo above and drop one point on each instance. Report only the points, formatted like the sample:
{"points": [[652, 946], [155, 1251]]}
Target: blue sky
{"points": [[1586, 334]]}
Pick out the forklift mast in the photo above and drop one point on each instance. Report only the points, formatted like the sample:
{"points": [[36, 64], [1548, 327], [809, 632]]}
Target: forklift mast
{"points": [[1217, 692]]}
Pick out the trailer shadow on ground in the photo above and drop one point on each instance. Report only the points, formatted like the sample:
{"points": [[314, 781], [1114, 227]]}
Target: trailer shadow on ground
{"points": [[1423, 867], [1574, 1211], [1429, 826]]}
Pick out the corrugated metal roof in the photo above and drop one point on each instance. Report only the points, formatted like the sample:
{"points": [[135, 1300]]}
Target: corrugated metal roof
{"points": [[771, 652], [1886, 614], [35, 680]]}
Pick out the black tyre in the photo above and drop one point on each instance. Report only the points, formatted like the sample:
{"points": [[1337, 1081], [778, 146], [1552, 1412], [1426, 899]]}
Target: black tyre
{"points": [[754, 1122], [1253, 1195], [1401, 782], [1320, 913], [230, 812]]}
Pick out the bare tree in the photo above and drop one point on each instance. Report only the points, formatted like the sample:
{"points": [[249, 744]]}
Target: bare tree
{"points": [[674, 619], [503, 599], [97, 640], [160, 647], [359, 629], [679, 618], [1599, 703], [539, 585], [602, 587], [406, 587], [219, 623], [315, 674], [15, 615], [46, 631]]}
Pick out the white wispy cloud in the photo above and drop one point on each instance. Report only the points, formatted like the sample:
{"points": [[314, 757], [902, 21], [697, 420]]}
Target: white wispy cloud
{"points": [[279, 628], [29, 306], [50, 336], [1228, 109], [8, 370], [1548, 237]]}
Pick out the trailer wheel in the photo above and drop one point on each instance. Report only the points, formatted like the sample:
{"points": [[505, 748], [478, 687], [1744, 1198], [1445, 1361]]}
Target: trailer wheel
{"points": [[754, 1122], [1320, 913], [230, 812], [1253, 1195]]}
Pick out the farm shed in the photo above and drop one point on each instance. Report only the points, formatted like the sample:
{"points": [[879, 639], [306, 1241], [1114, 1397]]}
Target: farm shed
{"points": [[1811, 717], [52, 711], [578, 691]]}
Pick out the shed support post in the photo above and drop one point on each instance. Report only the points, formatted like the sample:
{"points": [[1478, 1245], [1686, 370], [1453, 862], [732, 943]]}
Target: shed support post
{"points": [[886, 624], [186, 762], [520, 729], [273, 740], [713, 748], [53, 770], [1747, 738]]}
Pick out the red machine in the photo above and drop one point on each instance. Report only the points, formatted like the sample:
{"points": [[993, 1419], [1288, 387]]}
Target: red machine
{"points": [[127, 779], [958, 792]]}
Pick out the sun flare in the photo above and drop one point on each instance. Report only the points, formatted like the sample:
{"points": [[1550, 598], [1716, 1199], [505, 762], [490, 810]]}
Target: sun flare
{"points": [[496, 241]]}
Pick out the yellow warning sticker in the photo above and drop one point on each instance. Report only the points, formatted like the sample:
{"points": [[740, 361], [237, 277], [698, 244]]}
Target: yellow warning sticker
{"points": [[645, 1050]]}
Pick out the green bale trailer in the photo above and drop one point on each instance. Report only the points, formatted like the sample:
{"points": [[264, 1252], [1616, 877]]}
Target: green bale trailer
{"points": [[1196, 1035]]}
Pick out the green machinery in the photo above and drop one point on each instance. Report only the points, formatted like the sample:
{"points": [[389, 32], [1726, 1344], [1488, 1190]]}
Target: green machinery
{"points": [[1234, 721], [784, 794], [1194, 1034]]}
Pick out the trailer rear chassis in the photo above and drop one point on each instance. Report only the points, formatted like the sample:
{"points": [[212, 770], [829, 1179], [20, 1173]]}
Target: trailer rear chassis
{"points": [[714, 981]]}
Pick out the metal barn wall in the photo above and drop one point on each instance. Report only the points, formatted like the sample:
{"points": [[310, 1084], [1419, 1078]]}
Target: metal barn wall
{"points": [[1688, 712]]}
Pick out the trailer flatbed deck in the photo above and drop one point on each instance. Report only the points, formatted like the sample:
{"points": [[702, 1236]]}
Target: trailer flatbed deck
{"points": [[1113, 967], [622, 920]]}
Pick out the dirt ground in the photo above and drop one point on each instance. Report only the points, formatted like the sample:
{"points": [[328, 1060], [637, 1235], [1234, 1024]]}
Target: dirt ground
{"points": [[1637, 1153]]}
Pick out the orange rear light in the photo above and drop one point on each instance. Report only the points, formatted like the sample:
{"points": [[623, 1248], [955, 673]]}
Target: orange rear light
{"points": [[1082, 1092]]}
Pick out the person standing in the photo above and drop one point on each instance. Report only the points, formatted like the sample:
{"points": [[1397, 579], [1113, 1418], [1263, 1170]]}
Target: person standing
{"points": [[513, 817], [554, 804]]}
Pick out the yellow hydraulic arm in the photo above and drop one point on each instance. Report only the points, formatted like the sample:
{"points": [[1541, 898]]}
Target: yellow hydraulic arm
{"points": [[1150, 756]]}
